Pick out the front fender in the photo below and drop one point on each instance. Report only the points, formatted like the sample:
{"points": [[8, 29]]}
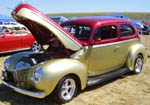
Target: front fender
{"points": [[55, 70], [133, 52]]}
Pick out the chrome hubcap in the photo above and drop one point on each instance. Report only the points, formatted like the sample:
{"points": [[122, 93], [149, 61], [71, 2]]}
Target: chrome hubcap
{"points": [[138, 65], [68, 89], [36, 47]]}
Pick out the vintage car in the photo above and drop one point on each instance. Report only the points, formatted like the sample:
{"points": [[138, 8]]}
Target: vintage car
{"points": [[16, 41], [59, 19], [11, 25], [146, 30], [82, 52]]}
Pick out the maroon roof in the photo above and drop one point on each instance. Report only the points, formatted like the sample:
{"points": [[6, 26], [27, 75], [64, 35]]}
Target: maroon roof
{"points": [[91, 21]]}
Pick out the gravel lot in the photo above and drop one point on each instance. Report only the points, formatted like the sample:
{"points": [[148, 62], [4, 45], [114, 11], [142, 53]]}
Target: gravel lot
{"points": [[126, 90]]}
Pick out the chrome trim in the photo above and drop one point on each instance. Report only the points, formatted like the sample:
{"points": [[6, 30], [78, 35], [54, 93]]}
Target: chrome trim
{"points": [[6, 64], [22, 91], [22, 65], [113, 43], [15, 76]]}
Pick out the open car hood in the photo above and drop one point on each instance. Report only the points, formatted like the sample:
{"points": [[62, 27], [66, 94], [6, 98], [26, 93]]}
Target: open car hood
{"points": [[44, 28]]}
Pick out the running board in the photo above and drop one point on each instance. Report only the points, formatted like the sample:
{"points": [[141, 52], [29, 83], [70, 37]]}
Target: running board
{"points": [[107, 76]]}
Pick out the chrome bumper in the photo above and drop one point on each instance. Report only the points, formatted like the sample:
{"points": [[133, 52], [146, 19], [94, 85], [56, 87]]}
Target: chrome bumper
{"points": [[25, 92]]}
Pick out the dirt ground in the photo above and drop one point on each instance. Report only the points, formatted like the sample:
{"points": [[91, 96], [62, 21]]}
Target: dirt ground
{"points": [[126, 90]]}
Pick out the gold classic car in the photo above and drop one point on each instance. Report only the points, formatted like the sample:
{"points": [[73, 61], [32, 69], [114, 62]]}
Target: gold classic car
{"points": [[82, 52]]}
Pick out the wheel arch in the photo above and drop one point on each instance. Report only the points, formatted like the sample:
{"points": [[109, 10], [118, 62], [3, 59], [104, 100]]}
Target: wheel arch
{"points": [[135, 50]]}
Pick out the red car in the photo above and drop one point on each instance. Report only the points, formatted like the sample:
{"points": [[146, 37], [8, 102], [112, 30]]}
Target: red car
{"points": [[17, 41]]}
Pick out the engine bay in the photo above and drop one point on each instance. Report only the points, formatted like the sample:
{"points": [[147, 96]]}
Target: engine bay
{"points": [[54, 50]]}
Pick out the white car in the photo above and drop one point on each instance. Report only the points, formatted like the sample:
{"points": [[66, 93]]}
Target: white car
{"points": [[11, 25]]}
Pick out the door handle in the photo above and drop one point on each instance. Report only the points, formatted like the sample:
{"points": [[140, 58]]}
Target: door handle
{"points": [[117, 47]]}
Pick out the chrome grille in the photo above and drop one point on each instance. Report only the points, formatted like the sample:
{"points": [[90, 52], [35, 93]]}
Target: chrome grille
{"points": [[16, 77], [21, 75]]}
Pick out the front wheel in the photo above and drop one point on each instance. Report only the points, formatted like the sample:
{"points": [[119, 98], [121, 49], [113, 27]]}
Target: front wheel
{"points": [[138, 65], [66, 89], [36, 47]]}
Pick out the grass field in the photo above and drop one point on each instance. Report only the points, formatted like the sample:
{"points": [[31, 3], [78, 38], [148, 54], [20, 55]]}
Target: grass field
{"points": [[126, 90]]}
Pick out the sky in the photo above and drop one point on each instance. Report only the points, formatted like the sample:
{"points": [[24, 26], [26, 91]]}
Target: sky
{"points": [[72, 6]]}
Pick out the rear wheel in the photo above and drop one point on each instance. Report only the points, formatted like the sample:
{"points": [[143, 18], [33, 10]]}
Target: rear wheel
{"points": [[138, 65], [66, 89], [36, 47]]}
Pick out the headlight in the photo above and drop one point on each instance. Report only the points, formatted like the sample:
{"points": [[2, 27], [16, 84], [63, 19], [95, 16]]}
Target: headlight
{"points": [[6, 63], [38, 73]]}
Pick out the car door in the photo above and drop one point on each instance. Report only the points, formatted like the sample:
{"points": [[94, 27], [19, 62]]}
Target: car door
{"points": [[104, 56], [27, 40], [9, 42], [127, 38]]}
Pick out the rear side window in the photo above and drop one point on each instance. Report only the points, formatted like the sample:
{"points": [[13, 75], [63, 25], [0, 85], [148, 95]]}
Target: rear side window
{"points": [[126, 30], [106, 32]]}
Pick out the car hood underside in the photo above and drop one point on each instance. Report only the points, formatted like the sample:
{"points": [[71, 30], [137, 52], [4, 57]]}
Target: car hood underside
{"points": [[43, 28]]}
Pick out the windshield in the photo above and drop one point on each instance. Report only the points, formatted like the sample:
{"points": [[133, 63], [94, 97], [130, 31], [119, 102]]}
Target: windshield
{"points": [[81, 32]]}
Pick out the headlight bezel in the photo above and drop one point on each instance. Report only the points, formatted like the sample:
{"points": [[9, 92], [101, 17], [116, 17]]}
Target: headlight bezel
{"points": [[6, 64], [38, 74]]}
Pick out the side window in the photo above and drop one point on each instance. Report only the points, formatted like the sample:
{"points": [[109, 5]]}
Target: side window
{"points": [[126, 30], [106, 32], [67, 28], [81, 32]]}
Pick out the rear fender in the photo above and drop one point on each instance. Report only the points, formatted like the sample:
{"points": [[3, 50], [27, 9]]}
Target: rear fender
{"points": [[134, 51]]}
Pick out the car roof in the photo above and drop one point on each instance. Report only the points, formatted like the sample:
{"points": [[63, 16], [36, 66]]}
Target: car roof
{"points": [[91, 21]]}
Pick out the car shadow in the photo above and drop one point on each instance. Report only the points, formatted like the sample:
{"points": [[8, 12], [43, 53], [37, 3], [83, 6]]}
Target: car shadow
{"points": [[14, 98], [7, 95]]}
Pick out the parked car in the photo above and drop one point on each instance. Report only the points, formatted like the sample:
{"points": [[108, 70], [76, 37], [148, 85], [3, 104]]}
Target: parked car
{"points": [[126, 18], [58, 19], [82, 52], [146, 30], [147, 23], [15, 41], [11, 25]]}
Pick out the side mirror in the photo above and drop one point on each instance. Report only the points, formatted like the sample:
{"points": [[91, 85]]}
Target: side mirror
{"points": [[96, 41]]}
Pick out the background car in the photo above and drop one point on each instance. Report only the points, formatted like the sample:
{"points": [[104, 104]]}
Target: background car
{"points": [[126, 18], [58, 19], [11, 25], [146, 30], [17, 40]]}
